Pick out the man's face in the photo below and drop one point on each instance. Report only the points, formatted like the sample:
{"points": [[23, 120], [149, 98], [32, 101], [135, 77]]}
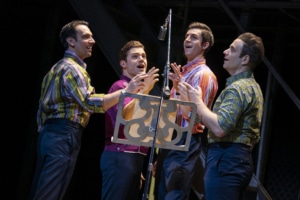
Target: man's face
{"points": [[136, 62], [192, 44], [232, 61], [84, 42]]}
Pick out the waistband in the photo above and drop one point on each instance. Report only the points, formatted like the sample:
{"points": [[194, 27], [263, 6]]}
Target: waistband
{"points": [[126, 148], [62, 121], [225, 145]]}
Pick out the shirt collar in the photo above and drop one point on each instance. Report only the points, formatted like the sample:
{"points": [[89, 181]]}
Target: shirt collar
{"points": [[123, 77], [192, 64], [73, 55], [244, 74]]}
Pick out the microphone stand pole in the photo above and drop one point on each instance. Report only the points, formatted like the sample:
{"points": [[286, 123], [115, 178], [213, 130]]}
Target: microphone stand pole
{"points": [[164, 95]]}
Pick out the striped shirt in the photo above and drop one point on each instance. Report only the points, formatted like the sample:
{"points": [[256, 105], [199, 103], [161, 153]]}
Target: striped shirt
{"points": [[197, 73], [66, 93], [239, 108]]}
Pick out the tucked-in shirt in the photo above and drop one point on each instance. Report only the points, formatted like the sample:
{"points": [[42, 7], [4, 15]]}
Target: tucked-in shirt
{"points": [[197, 73], [110, 122], [239, 108], [66, 93]]}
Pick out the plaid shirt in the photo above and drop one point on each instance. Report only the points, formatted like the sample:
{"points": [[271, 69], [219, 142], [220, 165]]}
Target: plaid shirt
{"points": [[66, 93]]}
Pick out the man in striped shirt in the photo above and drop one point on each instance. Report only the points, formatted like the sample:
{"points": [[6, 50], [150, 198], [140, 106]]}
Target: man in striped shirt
{"points": [[178, 166]]}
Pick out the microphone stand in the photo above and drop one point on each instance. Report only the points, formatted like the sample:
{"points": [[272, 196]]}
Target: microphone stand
{"points": [[164, 95], [166, 90]]}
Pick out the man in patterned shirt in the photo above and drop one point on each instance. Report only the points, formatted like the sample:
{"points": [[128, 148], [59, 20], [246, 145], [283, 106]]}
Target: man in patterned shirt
{"points": [[67, 100], [234, 123], [178, 166]]}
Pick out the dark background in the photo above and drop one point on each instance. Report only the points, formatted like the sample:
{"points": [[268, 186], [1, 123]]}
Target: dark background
{"points": [[29, 38]]}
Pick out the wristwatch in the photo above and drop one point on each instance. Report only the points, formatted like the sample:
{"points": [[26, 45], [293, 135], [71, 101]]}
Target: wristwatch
{"points": [[123, 91]]}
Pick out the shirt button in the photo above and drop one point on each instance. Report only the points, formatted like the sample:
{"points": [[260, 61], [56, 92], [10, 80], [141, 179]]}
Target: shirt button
{"points": [[118, 148]]}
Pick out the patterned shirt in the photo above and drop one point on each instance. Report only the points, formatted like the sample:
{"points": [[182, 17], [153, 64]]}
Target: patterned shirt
{"points": [[239, 108], [110, 122], [197, 73], [66, 93]]}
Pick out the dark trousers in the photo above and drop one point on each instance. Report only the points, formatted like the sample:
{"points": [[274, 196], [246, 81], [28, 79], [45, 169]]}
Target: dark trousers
{"points": [[228, 171], [121, 175], [178, 169], [58, 147]]}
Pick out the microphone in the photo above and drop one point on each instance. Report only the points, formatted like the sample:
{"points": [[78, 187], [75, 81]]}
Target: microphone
{"points": [[167, 92], [166, 89], [163, 30], [162, 33]]}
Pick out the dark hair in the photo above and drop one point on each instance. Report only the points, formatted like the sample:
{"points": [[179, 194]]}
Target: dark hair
{"points": [[69, 30], [206, 33], [254, 47], [129, 45]]}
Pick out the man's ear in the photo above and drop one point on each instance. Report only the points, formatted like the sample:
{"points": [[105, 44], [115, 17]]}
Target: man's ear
{"points": [[122, 63], [246, 59], [205, 45], [71, 42]]}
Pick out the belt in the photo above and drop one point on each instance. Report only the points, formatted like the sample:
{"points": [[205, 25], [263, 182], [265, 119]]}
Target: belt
{"points": [[225, 145], [62, 121]]}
